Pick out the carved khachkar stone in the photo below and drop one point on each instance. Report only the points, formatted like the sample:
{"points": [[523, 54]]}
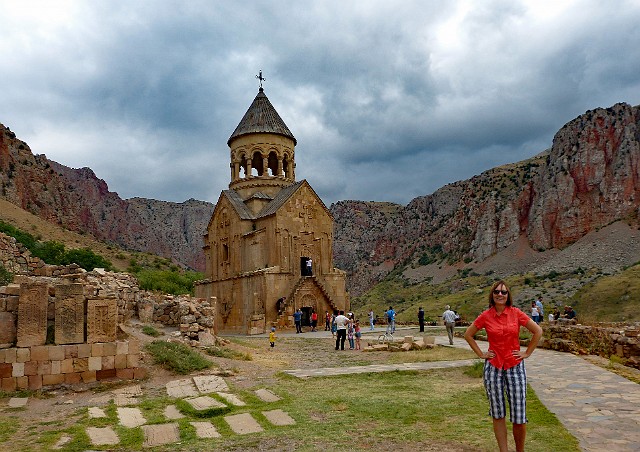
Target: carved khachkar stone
{"points": [[69, 314], [7, 328], [102, 317], [32, 314]]}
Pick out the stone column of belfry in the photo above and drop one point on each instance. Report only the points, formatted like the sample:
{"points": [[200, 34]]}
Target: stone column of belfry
{"points": [[280, 169], [248, 169], [265, 166]]}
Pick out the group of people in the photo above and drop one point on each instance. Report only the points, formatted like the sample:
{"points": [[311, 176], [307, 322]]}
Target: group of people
{"points": [[346, 327], [537, 312]]}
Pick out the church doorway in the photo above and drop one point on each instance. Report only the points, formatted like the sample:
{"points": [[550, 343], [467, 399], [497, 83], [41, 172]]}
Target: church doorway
{"points": [[304, 271], [306, 315]]}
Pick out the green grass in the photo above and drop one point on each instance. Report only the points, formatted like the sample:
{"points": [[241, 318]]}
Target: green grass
{"points": [[151, 331], [177, 357]]}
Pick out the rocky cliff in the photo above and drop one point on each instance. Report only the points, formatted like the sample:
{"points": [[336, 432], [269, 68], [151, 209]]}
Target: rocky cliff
{"points": [[589, 178], [77, 200]]}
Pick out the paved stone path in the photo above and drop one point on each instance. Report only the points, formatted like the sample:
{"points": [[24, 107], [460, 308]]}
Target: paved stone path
{"points": [[600, 408]]}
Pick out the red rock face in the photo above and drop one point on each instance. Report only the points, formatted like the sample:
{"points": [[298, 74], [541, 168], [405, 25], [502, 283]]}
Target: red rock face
{"points": [[79, 201]]}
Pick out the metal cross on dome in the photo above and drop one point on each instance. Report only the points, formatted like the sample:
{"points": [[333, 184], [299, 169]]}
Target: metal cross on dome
{"points": [[261, 78]]}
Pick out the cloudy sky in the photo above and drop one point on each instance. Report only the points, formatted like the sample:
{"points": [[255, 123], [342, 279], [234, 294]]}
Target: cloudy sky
{"points": [[388, 100]]}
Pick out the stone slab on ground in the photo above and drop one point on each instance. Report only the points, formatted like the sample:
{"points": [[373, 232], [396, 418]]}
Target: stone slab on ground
{"points": [[181, 388], [18, 402], [207, 384], [102, 436], [130, 417], [95, 412], [171, 412], [64, 439], [267, 396], [243, 423], [205, 430], [127, 396], [231, 398], [204, 403], [278, 417], [159, 434]]}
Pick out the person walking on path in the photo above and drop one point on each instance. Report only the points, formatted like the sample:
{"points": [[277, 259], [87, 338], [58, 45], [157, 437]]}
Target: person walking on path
{"points": [[371, 320], [334, 326], [391, 321], [297, 319], [341, 326], [504, 368], [421, 319], [327, 321], [449, 318]]}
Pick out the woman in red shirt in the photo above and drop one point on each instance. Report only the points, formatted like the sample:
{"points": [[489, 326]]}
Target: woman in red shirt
{"points": [[504, 362]]}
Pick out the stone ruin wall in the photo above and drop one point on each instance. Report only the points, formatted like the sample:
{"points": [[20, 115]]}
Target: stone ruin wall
{"points": [[59, 324], [611, 340]]}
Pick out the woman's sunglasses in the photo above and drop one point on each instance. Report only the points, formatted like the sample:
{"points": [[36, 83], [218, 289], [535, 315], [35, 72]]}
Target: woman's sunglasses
{"points": [[498, 292]]}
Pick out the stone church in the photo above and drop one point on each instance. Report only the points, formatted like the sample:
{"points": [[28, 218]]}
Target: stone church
{"points": [[270, 236]]}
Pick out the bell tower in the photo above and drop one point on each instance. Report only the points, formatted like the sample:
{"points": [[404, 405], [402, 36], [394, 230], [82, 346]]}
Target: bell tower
{"points": [[262, 151]]}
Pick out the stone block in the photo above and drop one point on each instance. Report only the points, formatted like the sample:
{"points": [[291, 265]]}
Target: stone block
{"points": [[70, 351], [22, 382], [120, 361], [13, 289], [406, 346], [72, 378], [31, 368], [8, 329], [6, 370], [3, 353], [9, 384], [44, 367], [429, 340], [109, 349], [56, 353], [102, 317], [105, 374], [80, 364], [55, 367], [23, 355], [89, 376], [125, 374], [32, 314], [97, 349], [35, 382], [84, 350], [18, 370], [122, 348], [12, 304], [48, 380], [69, 313], [408, 339], [95, 362], [66, 366], [108, 362], [11, 355], [133, 360], [134, 347], [40, 353]]}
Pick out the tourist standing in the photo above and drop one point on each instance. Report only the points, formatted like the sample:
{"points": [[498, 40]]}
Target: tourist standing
{"points": [[309, 270], [535, 315], [341, 327], [327, 321], [504, 368], [421, 319], [358, 334], [314, 320], [351, 331], [297, 319], [391, 320], [334, 326], [280, 304], [540, 307], [371, 320], [449, 319]]}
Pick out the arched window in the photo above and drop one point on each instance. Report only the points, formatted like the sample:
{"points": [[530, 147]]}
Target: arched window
{"points": [[256, 164], [273, 164]]}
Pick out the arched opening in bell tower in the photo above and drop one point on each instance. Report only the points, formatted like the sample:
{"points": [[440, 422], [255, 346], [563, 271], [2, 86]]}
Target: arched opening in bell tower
{"points": [[273, 164], [257, 168]]}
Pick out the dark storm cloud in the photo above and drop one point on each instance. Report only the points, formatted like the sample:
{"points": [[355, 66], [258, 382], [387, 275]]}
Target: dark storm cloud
{"points": [[388, 100]]}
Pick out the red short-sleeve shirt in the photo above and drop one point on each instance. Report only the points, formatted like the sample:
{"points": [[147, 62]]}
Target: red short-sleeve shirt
{"points": [[503, 333]]}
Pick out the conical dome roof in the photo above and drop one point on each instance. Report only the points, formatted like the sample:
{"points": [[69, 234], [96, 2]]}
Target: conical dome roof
{"points": [[261, 117]]}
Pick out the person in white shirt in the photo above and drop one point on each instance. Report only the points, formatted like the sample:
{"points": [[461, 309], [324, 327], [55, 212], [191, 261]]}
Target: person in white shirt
{"points": [[341, 324], [449, 318]]}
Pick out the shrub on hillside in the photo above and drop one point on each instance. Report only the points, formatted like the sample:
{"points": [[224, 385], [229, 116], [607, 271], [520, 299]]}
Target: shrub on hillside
{"points": [[173, 282], [5, 276]]}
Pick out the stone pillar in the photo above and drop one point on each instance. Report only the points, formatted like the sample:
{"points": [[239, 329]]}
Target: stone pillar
{"points": [[236, 171], [248, 175], [265, 166]]}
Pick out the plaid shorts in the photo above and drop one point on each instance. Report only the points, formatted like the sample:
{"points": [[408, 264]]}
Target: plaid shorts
{"points": [[514, 382]]}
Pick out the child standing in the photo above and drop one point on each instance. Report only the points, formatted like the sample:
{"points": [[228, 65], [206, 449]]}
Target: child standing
{"points": [[272, 337], [350, 334], [358, 334]]}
